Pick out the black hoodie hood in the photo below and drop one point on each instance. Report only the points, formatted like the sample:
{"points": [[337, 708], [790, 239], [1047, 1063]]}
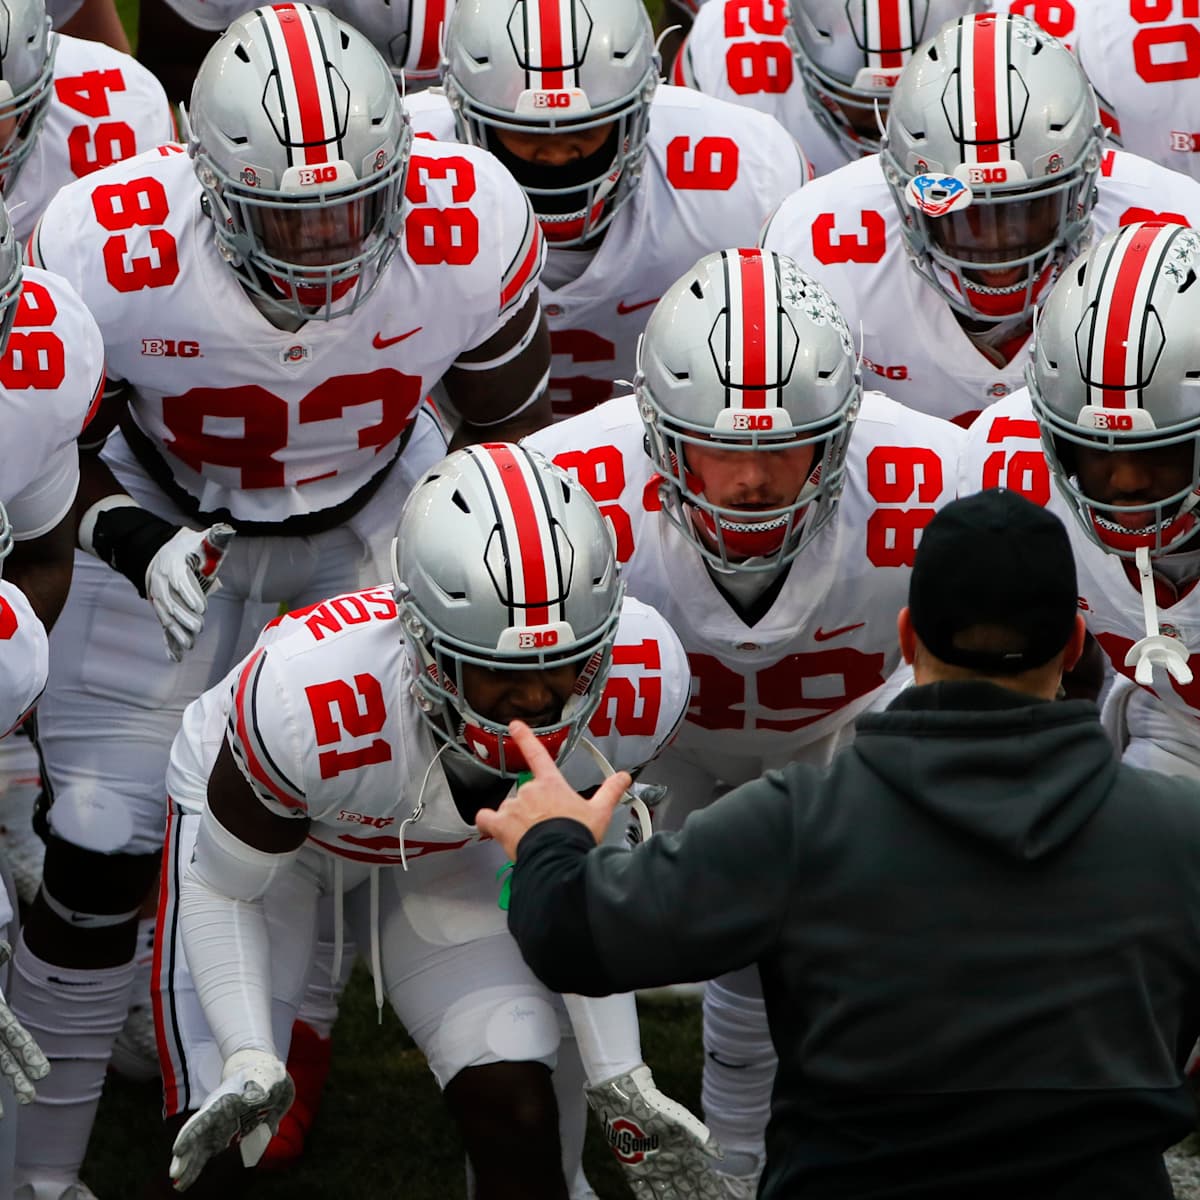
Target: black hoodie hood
{"points": [[1027, 795]]}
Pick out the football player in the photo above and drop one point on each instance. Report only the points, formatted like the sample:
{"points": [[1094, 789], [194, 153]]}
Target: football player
{"points": [[992, 175], [71, 107], [631, 182], [823, 68], [506, 603], [276, 303], [1144, 62], [51, 374], [407, 33], [770, 511], [1113, 394]]}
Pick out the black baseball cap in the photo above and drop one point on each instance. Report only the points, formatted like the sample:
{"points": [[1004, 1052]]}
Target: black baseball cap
{"points": [[999, 560]]}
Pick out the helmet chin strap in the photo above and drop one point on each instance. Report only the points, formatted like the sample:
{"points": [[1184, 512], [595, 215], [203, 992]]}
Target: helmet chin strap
{"points": [[1155, 649]]}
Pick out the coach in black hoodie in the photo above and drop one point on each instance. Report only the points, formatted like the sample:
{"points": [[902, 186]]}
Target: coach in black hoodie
{"points": [[978, 933]]}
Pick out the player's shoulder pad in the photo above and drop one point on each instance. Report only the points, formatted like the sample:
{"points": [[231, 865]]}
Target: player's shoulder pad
{"points": [[26, 659], [263, 734], [431, 117]]}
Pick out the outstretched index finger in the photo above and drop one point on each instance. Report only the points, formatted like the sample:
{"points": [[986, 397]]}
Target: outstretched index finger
{"points": [[536, 755]]}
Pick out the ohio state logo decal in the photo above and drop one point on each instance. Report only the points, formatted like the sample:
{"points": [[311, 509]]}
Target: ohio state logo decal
{"points": [[627, 1140]]}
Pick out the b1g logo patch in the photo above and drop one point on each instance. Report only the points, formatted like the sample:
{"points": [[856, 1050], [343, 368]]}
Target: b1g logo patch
{"points": [[169, 348]]}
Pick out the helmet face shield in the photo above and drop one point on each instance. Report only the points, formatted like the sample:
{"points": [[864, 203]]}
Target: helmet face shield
{"points": [[997, 256]]}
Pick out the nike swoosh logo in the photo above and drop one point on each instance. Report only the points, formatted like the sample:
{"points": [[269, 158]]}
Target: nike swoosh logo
{"points": [[624, 308], [382, 343], [821, 636]]}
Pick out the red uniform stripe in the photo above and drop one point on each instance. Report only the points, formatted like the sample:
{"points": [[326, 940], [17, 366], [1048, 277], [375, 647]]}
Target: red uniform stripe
{"points": [[754, 329], [983, 82], [528, 265], [431, 51], [550, 29], [1117, 332], [304, 77], [170, 1081], [529, 540], [889, 33], [252, 764]]}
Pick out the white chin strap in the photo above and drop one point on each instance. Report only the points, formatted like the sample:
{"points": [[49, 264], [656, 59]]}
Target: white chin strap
{"points": [[636, 804], [1155, 649]]}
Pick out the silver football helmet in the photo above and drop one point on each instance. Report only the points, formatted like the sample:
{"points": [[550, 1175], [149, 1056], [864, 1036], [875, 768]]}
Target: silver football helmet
{"points": [[748, 353], [1116, 366], [301, 146], [408, 33], [27, 50], [554, 67], [502, 561], [10, 277], [991, 154], [851, 54]]}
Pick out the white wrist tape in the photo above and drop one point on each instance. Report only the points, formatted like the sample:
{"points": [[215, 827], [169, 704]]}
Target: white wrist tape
{"points": [[87, 525]]}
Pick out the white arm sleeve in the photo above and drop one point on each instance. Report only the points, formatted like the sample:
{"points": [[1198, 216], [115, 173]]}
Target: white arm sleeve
{"points": [[225, 935]]}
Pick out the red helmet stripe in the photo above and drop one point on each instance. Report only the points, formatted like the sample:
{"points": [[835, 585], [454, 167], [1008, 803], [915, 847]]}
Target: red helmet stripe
{"points": [[754, 328], [534, 563], [431, 49], [550, 34], [303, 76], [1121, 344], [982, 83], [891, 33]]}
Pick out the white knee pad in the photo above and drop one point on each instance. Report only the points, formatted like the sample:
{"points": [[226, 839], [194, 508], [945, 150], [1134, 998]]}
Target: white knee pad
{"points": [[739, 1068], [497, 1024]]}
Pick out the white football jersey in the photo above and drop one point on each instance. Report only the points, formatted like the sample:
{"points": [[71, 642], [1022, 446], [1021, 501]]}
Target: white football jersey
{"points": [[322, 720], [1004, 449], [1143, 60], [24, 661], [844, 229], [713, 173], [51, 376], [734, 56], [254, 421], [828, 643], [104, 107]]}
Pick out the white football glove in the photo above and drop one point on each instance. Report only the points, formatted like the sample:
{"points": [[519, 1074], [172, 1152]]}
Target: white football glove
{"points": [[663, 1149], [21, 1059], [179, 579], [255, 1092]]}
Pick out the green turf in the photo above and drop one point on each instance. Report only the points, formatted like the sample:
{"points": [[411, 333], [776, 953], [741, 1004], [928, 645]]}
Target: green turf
{"points": [[382, 1131]]}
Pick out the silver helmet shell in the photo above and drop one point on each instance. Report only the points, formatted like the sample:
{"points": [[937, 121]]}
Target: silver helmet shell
{"points": [[991, 154], [503, 561], [408, 33], [554, 67], [748, 353], [301, 146], [1116, 367]]}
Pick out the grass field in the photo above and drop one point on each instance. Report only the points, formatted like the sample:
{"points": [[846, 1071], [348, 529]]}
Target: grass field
{"points": [[382, 1131]]}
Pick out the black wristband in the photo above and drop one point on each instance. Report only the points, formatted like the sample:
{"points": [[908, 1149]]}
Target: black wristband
{"points": [[127, 538]]}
